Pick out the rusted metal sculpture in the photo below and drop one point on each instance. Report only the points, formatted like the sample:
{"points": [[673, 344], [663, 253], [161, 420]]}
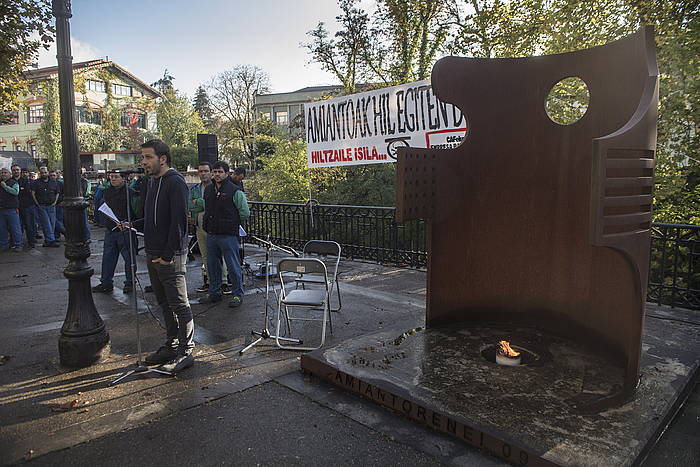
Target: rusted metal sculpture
{"points": [[539, 223]]}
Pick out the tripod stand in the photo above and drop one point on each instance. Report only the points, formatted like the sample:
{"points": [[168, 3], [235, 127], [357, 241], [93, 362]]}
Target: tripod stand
{"points": [[265, 332], [138, 368]]}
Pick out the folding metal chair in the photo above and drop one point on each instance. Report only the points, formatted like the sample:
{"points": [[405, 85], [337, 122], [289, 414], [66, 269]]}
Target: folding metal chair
{"points": [[323, 248], [292, 299]]}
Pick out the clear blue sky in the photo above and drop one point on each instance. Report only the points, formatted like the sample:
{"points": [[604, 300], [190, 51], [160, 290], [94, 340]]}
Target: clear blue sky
{"points": [[195, 40]]}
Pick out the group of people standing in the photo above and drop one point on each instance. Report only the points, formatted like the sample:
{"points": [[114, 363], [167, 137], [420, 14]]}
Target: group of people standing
{"points": [[217, 205], [27, 203]]}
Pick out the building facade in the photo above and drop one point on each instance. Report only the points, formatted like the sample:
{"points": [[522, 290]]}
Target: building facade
{"points": [[286, 107], [98, 83]]}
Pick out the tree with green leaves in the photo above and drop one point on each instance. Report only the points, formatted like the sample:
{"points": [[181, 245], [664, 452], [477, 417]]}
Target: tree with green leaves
{"points": [[350, 54], [166, 82], [25, 28], [178, 122], [499, 28], [184, 157], [414, 32], [203, 107], [48, 137]]}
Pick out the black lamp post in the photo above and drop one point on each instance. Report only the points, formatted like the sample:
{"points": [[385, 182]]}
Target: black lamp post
{"points": [[84, 339]]}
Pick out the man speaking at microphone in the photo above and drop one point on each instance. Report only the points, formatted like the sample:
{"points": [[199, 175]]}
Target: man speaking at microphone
{"points": [[165, 234]]}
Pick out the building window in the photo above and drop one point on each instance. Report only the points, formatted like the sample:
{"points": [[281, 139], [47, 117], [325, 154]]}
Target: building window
{"points": [[136, 119], [98, 86], [85, 115], [32, 150], [121, 90], [10, 118], [35, 114], [282, 118]]}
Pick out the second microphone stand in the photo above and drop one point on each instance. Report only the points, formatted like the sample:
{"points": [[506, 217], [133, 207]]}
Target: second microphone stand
{"points": [[265, 332]]}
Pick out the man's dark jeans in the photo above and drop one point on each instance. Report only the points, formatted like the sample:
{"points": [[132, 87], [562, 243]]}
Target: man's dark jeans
{"points": [[170, 288], [116, 243], [59, 226], [28, 218]]}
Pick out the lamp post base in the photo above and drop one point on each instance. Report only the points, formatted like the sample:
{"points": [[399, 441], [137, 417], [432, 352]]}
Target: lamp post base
{"points": [[82, 351]]}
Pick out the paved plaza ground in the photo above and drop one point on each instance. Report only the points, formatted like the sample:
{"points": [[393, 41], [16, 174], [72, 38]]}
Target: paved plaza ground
{"points": [[254, 409]]}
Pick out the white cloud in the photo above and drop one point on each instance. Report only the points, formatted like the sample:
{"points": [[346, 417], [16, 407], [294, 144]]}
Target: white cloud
{"points": [[80, 50]]}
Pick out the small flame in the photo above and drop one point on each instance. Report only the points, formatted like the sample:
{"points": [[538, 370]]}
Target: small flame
{"points": [[506, 350]]}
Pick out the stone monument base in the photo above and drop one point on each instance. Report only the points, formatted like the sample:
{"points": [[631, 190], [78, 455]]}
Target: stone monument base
{"points": [[549, 410]]}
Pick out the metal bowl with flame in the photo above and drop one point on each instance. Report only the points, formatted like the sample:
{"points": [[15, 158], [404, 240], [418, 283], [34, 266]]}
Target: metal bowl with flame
{"points": [[506, 355]]}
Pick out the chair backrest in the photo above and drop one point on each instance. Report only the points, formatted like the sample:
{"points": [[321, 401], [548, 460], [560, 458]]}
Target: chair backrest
{"points": [[302, 266], [322, 247]]}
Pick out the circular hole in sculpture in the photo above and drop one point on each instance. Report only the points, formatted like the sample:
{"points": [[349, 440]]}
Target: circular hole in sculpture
{"points": [[567, 101]]}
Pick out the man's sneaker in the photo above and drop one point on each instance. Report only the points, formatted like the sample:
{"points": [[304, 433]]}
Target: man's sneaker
{"points": [[162, 355], [235, 302], [203, 289], [210, 299], [127, 288], [103, 288], [226, 289], [179, 363]]}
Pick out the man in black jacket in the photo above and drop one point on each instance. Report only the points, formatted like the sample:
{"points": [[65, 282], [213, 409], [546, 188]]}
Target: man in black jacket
{"points": [[225, 207], [165, 234], [9, 213], [116, 242], [27, 209], [45, 193]]}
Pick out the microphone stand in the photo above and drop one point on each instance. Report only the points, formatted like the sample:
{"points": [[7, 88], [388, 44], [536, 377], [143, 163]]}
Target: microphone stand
{"points": [[265, 332], [139, 367]]}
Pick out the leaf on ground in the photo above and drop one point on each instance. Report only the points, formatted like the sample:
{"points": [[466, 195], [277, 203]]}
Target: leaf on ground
{"points": [[4, 359], [28, 455], [70, 405]]}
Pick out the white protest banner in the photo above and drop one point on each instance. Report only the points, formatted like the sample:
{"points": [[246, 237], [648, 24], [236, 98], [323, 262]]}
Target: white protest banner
{"points": [[368, 127]]}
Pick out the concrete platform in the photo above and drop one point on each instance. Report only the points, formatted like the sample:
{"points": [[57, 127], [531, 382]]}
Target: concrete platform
{"points": [[543, 413]]}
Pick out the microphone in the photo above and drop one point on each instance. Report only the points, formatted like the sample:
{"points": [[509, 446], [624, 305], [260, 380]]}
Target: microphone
{"points": [[137, 170]]}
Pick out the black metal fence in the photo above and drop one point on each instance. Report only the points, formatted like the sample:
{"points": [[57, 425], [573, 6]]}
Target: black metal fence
{"points": [[370, 233], [674, 269]]}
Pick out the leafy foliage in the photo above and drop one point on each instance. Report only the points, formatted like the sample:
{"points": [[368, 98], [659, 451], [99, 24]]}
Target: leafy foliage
{"points": [[408, 35], [25, 27], [285, 176], [203, 107], [183, 157], [48, 136], [166, 82], [178, 121]]}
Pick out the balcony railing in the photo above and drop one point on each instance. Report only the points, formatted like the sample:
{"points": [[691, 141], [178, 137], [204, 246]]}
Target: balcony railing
{"points": [[366, 233], [370, 233], [674, 269]]}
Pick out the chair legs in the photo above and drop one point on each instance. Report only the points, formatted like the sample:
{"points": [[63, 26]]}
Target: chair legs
{"points": [[326, 319]]}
